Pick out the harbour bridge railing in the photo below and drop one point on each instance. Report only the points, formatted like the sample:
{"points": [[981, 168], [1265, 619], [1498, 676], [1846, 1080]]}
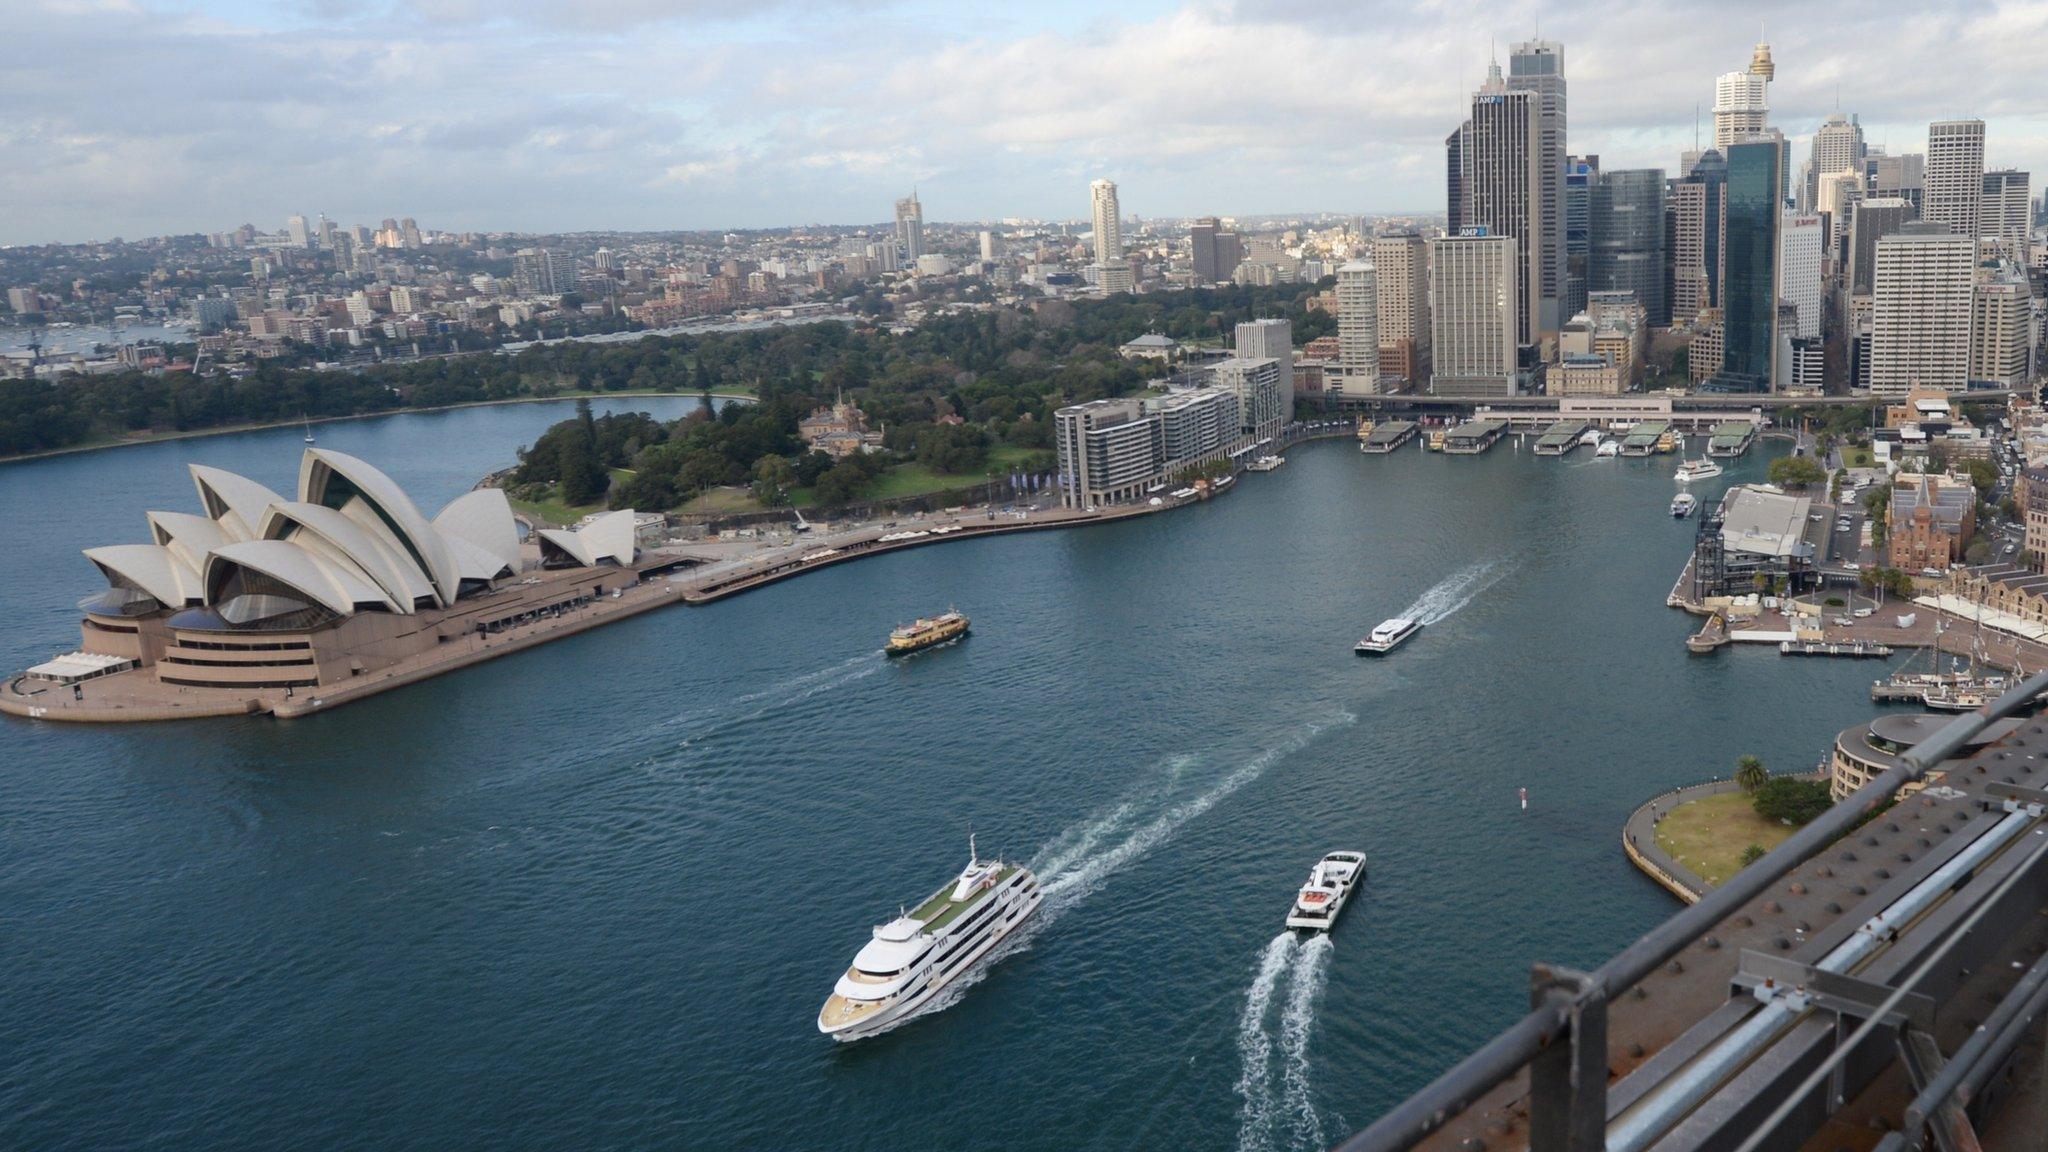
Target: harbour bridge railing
{"points": [[1563, 1039]]}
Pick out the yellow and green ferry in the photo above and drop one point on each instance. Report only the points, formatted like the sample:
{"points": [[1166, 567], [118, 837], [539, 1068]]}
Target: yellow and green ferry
{"points": [[923, 634]]}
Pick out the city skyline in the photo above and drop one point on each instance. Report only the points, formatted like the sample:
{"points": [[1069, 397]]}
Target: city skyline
{"points": [[530, 120]]}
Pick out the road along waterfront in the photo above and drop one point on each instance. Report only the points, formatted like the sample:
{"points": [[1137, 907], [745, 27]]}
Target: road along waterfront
{"points": [[595, 894]]}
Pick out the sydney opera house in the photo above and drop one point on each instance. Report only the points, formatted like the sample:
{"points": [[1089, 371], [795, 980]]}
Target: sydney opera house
{"points": [[260, 599]]}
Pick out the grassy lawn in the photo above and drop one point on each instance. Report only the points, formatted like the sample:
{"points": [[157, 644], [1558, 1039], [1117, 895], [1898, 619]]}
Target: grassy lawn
{"points": [[552, 511], [905, 480], [1857, 456], [1708, 835]]}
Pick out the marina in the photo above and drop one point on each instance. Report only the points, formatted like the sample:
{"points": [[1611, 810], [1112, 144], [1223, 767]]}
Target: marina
{"points": [[1387, 435]]}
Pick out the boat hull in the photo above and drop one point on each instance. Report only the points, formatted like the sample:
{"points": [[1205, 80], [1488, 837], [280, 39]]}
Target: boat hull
{"points": [[900, 1011]]}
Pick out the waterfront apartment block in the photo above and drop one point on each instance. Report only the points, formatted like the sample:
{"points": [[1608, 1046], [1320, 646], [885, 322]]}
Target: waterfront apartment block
{"points": [[1116, 451], [1271, 340], [1264, 391]]}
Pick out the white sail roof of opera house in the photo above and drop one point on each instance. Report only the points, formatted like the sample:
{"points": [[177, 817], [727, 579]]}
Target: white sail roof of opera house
{"points": [[609, 537], [352, 540]]}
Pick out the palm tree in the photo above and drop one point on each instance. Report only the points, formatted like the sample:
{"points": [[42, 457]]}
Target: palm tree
{"points": [[1750, 774]]}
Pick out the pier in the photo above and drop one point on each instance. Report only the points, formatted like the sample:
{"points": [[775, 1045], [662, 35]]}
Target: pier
{"points": [[1560, 438], [1857, 648], [1473, 437], [1648, 437], [1731, 438], [1388, 435]]}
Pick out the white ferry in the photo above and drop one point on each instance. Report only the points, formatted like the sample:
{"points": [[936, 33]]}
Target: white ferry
{"points": [[1267, 463], [1683, 504], [915, 955], [1590, 437], [1329, 885], [1700, 469], [1608, 448], [1388, 636]]}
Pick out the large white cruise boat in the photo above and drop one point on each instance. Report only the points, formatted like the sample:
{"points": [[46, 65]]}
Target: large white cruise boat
{"points": [[921, 951]]}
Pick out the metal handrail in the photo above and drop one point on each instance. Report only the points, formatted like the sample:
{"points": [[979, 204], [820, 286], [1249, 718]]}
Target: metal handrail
{"points": [[1500, 1058]]}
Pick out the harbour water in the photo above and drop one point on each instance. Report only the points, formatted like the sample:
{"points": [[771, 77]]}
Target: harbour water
{"points": [[592, 895]]}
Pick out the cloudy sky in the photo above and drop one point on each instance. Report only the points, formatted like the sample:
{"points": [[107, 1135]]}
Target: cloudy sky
{"points": [[138, 117]]}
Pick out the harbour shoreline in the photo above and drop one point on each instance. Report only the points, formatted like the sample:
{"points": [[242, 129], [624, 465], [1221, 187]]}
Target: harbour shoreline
{"points": [[266, 426]]}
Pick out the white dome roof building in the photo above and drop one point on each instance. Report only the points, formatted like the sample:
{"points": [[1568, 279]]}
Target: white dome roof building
{"points": [[263, 592]]}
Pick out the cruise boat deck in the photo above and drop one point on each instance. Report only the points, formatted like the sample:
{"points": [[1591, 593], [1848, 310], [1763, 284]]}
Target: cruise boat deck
{"points": [[940, 910]]}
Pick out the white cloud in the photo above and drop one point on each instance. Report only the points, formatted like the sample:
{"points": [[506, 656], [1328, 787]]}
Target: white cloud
{"points": [[685, 113]]}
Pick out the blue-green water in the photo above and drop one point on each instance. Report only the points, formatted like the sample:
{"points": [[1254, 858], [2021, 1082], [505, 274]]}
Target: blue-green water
{"points": [[592, 896]]}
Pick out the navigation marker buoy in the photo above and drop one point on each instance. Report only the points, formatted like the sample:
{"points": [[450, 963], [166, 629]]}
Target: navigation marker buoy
{"points": [[1525, 799]]}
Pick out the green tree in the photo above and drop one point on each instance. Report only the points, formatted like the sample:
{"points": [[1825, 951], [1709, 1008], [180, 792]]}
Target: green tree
{"points": [[1750, 774], [1796, 472], [842, 483], [773, 478], [1791, 800]]}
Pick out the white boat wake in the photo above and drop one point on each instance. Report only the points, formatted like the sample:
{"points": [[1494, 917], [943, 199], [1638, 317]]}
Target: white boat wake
{"points": [[1255, 1046], [1455, 591], [784, 694], [1076, 864], [1302, 969]]}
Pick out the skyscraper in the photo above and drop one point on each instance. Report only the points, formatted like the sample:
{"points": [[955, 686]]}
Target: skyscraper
{"points": [[1500, 170], [1837, 145], [1698, 216], [1750, 258], [1872, 220], [1580, 173], [1538, 66], [1109, 225], [1274, 340], [296, 231], [1628, 239], [910, 228], [1217, 250], [1955, 175], [1920, 322], [1356, 371], [1402, 261], [2004, 207], [1473, 313], [1741, 107], [1802, 245]]}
